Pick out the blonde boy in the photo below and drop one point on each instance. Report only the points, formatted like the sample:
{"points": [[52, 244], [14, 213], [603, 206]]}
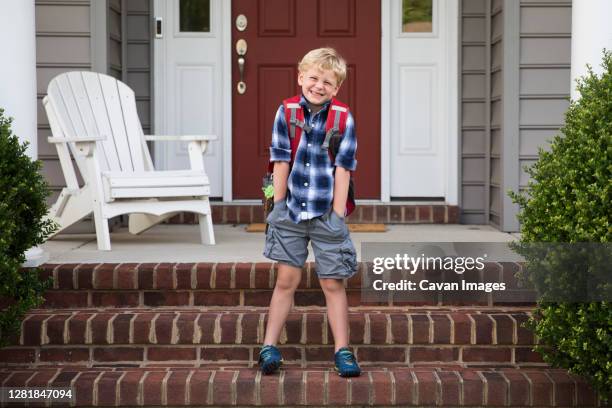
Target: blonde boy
{"points": [[310, 196]]}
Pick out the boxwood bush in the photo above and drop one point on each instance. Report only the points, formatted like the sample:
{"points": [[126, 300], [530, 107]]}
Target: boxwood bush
{"points": [[569, 200], [23, 192]]}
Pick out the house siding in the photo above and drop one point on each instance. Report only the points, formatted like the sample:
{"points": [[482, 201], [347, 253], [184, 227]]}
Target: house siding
{"points": [[474, 99], [63, 43], [493, 168], [489, 162], [545, 33], [139, 57], [115, 39]]}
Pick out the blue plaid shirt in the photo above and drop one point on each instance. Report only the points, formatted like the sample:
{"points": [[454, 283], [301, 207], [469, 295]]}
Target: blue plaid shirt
{"points": [[311, 180]]}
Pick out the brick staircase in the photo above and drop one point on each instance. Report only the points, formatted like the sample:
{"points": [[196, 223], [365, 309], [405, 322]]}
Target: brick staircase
{"points": [[189, 334]]}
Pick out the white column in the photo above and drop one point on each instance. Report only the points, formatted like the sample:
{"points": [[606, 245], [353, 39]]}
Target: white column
{"points": [[18, 69], [591, 33], [18, 82]]}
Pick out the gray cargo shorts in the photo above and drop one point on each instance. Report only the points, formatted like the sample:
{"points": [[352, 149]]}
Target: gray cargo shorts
{"points": [[287, 242]]}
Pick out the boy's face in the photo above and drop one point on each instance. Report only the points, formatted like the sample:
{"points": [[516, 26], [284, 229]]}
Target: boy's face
{"points": [[318, 85]]}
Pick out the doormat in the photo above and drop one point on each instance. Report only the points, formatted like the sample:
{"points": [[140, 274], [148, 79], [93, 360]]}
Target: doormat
{"points": [[261, 227]]}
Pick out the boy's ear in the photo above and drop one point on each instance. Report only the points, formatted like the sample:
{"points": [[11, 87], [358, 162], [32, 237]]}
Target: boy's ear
{"points": [[300, 78]]}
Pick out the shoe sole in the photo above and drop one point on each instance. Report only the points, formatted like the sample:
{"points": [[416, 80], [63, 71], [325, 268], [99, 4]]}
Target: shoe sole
{"points": [[272, 368], [347, 375]]}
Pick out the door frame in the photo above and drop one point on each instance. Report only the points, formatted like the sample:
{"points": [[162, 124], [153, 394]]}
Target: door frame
{"points": [[451, 128]]}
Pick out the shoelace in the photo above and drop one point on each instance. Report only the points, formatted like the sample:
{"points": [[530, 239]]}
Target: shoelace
{"points": [[347, 357]]}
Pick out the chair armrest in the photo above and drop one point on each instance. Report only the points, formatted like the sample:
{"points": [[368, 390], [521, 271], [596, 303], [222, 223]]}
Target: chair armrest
{"points": [[184, 138], [75, 139]]}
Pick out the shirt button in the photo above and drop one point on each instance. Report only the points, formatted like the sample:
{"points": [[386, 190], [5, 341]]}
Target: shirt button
{"points": [[303, 204], [307, 164], [305, 184], [309, 144]]}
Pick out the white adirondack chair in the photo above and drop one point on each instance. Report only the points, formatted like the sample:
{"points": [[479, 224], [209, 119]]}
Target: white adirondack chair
{"points": [[93, 116]]}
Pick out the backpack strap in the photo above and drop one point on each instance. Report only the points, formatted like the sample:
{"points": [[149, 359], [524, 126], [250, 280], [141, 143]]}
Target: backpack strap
{"points": [[336, 121], [335, 126], [294, 117]]}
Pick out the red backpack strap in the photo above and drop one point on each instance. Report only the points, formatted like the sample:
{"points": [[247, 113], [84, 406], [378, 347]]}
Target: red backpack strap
{"points": [[336, 121], [294, 114], [294, 117]]}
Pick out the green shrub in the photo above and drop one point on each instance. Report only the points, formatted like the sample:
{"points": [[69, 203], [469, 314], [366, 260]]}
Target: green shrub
{"points": [[23, 193], [569, 200]]}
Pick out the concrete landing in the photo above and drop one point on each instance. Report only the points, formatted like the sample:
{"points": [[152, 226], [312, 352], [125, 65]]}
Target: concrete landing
{"points": [[180, 243]]}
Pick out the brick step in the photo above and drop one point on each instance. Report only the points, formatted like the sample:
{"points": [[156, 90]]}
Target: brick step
{"points": [[311, 386], [295, 354], [241, 326], [224, 213], [144, 337], [229, 284]]}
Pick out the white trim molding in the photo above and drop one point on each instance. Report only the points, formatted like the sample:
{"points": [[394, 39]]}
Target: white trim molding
{"points": [[511, 115], [99, 35], [385, 103], [226, 38], [452, 128], [591, 33]]}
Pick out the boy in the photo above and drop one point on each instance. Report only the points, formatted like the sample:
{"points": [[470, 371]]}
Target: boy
{"points": [[309, 204]]}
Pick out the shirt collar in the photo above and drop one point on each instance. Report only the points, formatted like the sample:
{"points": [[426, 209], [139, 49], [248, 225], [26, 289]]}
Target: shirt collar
{"points": [[304, 103]]}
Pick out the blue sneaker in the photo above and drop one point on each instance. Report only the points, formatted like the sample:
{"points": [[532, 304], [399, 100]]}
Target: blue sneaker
{"points": [[270, 359], [346, 363]]}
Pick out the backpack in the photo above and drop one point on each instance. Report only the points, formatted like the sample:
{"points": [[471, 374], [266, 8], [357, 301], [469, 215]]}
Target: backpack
{"points": [[334, 130]]}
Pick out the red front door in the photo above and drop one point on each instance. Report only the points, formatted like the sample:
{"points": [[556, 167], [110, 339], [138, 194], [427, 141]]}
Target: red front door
{"points": [[278, 33]]}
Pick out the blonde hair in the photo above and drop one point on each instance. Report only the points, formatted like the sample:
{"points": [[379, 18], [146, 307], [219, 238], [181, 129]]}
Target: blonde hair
{"points": [[326, 59]]}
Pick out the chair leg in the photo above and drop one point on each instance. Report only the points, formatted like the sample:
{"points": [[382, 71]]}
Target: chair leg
{"points": [[102, 231], [207, 233], [70, 208]]}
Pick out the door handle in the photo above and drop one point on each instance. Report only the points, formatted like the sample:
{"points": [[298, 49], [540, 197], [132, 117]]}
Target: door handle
{"points": [[241, 49]]}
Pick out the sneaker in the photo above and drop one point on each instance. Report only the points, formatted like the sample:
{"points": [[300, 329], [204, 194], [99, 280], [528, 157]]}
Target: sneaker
{"points": [[346, 363], [270, 359]]}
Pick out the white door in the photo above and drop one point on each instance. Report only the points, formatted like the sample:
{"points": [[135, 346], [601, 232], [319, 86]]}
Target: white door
{"points": [[188, 82], [419, 97]]}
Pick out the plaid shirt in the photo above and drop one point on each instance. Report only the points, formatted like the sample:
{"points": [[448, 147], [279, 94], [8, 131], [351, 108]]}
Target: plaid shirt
{"points": [[311, 180]]}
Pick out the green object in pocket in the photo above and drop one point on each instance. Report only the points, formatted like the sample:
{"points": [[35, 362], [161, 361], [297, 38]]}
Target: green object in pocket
{"points": [[268, 191]]}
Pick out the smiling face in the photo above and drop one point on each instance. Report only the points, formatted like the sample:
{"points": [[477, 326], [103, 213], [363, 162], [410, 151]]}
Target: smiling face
{"points": [[318, 85]]}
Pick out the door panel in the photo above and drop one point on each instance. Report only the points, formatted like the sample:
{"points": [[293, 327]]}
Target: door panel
{"points": [[419, 100], [278, 34], [188, 83]]}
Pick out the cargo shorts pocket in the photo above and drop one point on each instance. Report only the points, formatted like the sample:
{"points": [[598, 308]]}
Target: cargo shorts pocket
{"points": [[269, 245], [279, 208], [348, 256], [337, 224]]}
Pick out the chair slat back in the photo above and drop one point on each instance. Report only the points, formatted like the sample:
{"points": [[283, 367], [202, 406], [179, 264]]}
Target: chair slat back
{"points": [[92, 104]]}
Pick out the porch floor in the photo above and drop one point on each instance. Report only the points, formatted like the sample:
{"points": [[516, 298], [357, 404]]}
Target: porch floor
{"points": [[181, 243]]}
